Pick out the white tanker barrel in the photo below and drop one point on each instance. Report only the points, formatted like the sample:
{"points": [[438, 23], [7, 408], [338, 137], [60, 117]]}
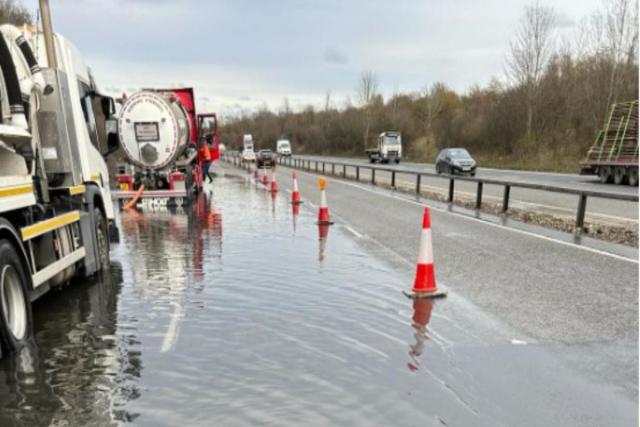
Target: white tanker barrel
{"points": [[153, 129]]}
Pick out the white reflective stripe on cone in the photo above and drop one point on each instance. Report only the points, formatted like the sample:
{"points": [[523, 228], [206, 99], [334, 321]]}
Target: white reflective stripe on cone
{"points": [[425, 256], [323, 199]]}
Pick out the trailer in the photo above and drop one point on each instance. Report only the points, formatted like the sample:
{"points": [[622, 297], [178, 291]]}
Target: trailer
{"points": [[56, 214], [614, 154], [162, 136]]}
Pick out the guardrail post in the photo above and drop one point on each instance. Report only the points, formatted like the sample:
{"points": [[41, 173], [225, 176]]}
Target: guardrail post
{"points": [[418, 179], [505, 198], [317, 166], [373, 176], [479, 195], [323, 167], [582, 207], [357, 173], [344, 171], [333, 168], [452, 183], [393, 179]]}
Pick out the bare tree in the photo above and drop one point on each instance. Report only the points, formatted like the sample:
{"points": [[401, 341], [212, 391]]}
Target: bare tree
{"points": [[531, 51], [433, 104], [367, 91], [13, 12], [621, 32]]}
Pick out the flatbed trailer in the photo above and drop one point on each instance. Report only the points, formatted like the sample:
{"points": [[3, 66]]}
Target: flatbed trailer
{"points": [[614, 154]]}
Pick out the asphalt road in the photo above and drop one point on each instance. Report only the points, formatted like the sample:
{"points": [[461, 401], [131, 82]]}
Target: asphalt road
{"points": [[574, 308], [601, 210]]}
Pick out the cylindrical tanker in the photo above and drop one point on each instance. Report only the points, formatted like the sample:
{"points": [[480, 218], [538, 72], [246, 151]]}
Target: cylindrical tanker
{"points": [[154, 129]]}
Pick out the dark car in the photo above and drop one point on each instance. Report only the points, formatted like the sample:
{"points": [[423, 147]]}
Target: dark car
{"points": [[265, 158], [455, 161]]}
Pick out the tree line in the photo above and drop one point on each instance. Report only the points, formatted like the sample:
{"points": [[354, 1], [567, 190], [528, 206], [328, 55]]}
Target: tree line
{"points": [[543, 115]]}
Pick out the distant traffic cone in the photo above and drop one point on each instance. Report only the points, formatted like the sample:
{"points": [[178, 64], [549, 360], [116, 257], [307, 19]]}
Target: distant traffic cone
{"points": [[323, 211], [265, 179], [274, 184], [295, 195], [424, 285]]}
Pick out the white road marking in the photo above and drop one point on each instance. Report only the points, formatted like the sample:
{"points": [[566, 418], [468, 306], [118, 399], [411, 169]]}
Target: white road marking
{"points": [[354, 232], [468, 218], [172, 331]]}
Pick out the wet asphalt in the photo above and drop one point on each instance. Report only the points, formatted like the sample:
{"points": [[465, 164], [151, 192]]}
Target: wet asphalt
{"points": [[579, 304], [240, 310]]}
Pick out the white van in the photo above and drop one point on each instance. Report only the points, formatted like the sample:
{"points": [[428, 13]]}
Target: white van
{"points": [[283, 147], [248, 155]]}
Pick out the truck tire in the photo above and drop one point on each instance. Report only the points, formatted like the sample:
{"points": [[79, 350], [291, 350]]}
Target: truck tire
{"points": [[102, 240], [397, 161], [619, 175], [16, 321], [372, 160], [604, 173], [633, 176]]}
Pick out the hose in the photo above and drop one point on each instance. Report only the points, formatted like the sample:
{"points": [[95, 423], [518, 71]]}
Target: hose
{"points": [[136, 196], [11, 78]]}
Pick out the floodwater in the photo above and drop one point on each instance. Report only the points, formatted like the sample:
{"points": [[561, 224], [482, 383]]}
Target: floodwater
{"points": [[241, 311]]}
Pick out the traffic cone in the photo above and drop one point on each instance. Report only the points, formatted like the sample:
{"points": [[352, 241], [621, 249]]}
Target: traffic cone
{"points": [[323, 211], [295, 195], [424, 285], [265, 179]]}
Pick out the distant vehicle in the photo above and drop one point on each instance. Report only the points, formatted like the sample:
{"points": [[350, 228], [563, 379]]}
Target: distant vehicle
{"points": [[614, 154], [222, 148], [455, 161], [388, 148], [283, 147], [265, 158], [248, 155]]}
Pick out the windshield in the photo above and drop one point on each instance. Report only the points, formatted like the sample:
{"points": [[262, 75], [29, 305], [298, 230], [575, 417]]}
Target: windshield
{"points": [[459, 153], [391, 139], [265, 152], [284, 144], [248, 146]]}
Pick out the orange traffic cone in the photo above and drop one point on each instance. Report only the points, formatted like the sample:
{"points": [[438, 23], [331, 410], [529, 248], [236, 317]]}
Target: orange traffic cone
{"points": [[424, 285], [274, 184], [265, 179], [323, 211], [295, 195]]}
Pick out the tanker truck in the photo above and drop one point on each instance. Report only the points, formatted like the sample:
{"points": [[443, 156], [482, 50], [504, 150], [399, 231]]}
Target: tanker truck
{"points": [[56, 214], [161, 136]]}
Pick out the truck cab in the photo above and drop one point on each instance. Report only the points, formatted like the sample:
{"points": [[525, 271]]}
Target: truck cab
{"points": [[56, 213], [283, 147], [388, 148]]}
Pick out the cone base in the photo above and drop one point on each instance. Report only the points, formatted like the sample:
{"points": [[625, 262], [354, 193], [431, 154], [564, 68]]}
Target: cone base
{"points": [[324, 223], [437, 293], [297, 202]]}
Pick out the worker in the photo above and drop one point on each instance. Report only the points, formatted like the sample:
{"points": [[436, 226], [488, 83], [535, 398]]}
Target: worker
{"points": [[205, 155]]}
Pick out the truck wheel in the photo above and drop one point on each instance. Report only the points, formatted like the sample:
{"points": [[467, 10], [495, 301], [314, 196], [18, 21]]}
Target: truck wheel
{"points": [[102, 240], [619, 175], [397, 161], [604, 173], [633, 176], [15, 318], [372, 160]]}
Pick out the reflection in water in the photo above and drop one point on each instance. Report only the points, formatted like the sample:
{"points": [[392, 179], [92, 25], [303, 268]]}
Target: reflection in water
{"points": [[295, 211], [323, 234], [76, 362], [421, 316]]}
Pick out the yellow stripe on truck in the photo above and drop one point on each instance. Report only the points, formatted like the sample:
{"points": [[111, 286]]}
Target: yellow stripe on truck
{"points": [[16, 191], [47, 225], [78, 189]]}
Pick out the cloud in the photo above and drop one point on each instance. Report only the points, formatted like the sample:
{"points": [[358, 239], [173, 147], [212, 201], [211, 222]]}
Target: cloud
{"points": [[333, 55]]}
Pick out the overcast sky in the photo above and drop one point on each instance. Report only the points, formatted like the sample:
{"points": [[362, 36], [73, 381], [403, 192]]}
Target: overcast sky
{"points": [[241, 54]]}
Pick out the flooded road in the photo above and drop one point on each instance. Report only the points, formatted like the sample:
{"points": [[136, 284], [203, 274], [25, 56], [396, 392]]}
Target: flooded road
{"points": [[241, 311]]}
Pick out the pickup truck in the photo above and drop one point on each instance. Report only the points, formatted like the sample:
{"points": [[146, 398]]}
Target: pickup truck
{"points": [[388, 148]]}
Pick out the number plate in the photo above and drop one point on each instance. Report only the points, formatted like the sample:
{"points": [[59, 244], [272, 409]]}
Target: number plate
{"points": [[124, 186]]}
